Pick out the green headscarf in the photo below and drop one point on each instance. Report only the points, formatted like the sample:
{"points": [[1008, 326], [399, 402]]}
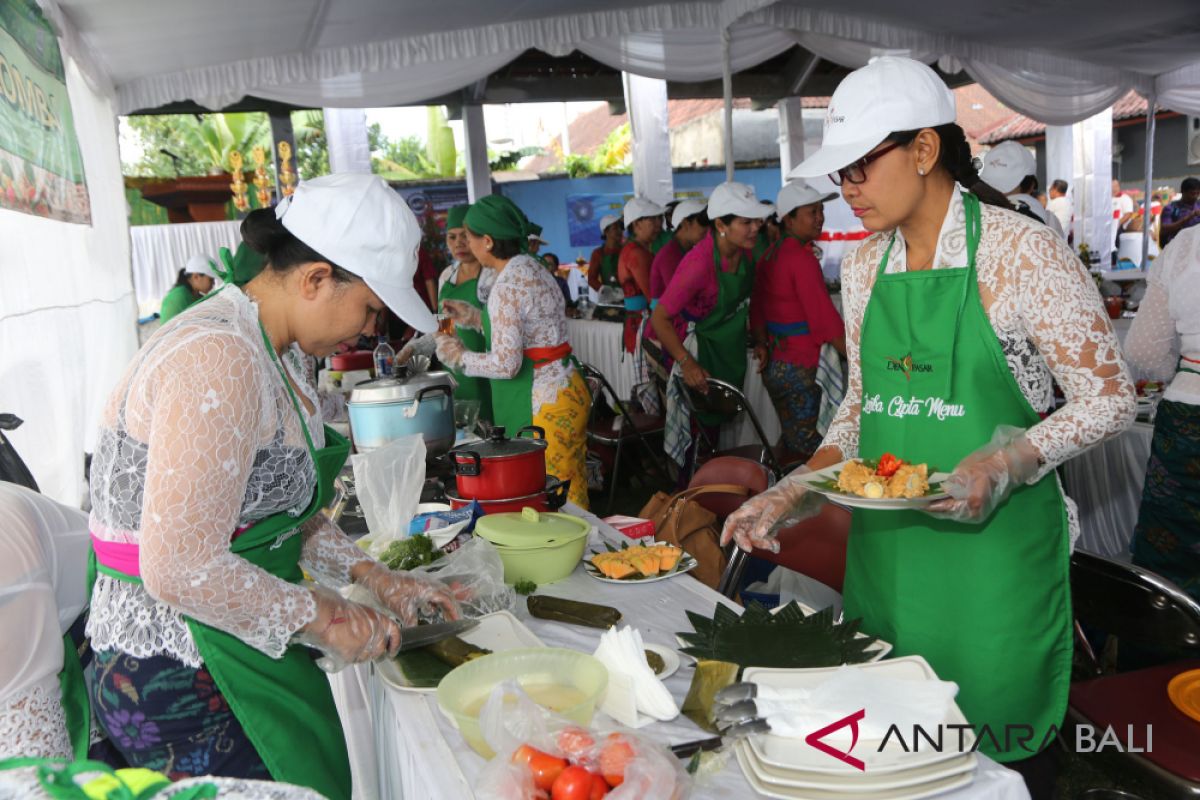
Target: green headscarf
{"points": [[498, 217], [456, 216]]}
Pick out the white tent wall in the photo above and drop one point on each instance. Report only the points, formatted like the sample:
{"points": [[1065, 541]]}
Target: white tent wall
{"points": [[1093, 184], [646, 99], [160, 251], [67, 310]]}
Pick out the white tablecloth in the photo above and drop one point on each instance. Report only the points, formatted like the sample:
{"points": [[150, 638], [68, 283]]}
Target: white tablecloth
{"points": [[421, 756], [1106, 483], [600, 344]]}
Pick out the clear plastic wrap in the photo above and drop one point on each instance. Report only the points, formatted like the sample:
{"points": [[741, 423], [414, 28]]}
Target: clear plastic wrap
{"points": [[534, 746], [475, 575]]}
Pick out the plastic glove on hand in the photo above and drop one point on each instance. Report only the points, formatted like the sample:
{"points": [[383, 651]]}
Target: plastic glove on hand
{"points": [[408, 596], [450, 350], [758, 521], [462, 313], [349, 632], [985, 478], [405, 355]]}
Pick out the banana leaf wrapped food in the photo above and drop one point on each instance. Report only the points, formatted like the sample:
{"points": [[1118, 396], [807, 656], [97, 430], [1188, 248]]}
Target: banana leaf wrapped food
{"points": [[425, 667], [572, 612]]}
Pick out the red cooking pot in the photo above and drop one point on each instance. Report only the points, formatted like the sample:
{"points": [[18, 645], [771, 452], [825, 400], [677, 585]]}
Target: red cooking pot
{"points": [[352, 360], [552, 497], [501, 468]]}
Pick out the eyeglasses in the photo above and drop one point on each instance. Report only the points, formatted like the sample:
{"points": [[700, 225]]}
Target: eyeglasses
{"points": [[857, 171]]}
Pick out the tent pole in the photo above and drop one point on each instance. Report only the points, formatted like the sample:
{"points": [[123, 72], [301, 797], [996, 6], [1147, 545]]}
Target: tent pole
{"points": [[1146, 226], [727, 87]]}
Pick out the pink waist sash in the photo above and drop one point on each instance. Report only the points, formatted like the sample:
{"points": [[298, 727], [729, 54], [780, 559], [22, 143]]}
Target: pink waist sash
{"points": [[124, 556]]}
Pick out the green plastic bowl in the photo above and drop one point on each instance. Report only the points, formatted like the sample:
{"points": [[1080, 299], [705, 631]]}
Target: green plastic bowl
{"points": [[567, 682], [535, 546]]}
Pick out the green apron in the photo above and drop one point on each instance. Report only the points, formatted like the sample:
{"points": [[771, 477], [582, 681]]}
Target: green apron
{"points": [[721, 335], [988, 605], [469, 388], [608, 267], [176, 301], [285, 705], [512, 398]]}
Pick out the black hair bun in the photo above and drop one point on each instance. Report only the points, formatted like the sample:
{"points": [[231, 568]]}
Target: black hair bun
{"points": [[263, 232]]}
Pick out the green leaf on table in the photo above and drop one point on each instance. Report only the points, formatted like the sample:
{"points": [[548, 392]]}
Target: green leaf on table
{"points": [[787, 639]]}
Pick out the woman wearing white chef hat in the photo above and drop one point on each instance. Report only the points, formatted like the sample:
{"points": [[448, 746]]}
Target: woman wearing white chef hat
{"points": [[209, 476], [959, 319]]}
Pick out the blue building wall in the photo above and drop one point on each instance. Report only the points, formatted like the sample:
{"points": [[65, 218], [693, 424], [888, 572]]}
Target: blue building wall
{"points": [[545, 201]]}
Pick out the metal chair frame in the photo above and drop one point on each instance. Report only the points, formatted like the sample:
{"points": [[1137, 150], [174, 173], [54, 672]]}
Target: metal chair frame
{"points": [[629, 429], [730, 393]]}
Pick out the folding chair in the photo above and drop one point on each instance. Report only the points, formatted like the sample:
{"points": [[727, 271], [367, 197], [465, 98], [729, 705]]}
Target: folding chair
{"points": [[815, 547], [1144, 610], [728, 400], [625, 425]]}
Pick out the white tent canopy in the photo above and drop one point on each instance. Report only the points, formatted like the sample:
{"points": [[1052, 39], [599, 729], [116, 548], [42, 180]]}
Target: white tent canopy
{"points": [[1060, 62]]}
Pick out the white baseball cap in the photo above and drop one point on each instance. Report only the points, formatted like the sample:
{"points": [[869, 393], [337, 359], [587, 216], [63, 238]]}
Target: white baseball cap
{"points": [[1006, 165], [200, 264], [738, 199], [685, 209], [533, 237], [606, 220], [357, 222], [640, 208], [798, 193], [889, 94]]}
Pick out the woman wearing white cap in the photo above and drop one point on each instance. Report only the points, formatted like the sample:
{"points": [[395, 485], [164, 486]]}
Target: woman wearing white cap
{"points": [[792, 317], [1011, 169], [209, 476], [643, 219], [689, 224], [602, 266], [194, 281], [959, 320], [710, 292]]}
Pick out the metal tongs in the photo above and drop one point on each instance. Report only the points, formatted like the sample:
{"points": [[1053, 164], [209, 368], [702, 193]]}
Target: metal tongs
{"points": [[735, 712]]}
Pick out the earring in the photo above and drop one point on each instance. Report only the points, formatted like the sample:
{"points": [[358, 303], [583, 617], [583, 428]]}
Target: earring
{"points": [[722, 234], [921, 171]]}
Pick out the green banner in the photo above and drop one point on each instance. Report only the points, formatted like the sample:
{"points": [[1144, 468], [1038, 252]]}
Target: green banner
{"points": [[41, 169]]}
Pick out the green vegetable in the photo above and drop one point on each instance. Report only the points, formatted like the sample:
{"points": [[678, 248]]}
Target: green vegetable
{"points": [[525, 586], [415, 551], [787, 639]]}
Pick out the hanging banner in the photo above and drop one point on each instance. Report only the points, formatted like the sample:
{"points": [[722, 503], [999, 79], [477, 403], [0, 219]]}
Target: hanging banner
{"points": [[41, 169], [584, 212]]}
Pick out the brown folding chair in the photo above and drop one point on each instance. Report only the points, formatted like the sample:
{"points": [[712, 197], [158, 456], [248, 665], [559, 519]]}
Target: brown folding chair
{"points": [[626, 424], [1143, 610]]}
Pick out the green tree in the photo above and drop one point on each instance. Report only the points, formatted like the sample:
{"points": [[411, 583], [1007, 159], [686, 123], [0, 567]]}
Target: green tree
{"points": [[312, 148], [191, 144]]}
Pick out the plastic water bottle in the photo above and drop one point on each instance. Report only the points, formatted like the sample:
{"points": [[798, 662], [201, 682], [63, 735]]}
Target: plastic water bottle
{"points": [[385, 359]]}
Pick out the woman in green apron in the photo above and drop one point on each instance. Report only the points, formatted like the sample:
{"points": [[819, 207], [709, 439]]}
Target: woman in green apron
{"points": [[602, 267], [960, 317], [209, 475], [710, 290], [193, 282], [471, 282], [528, 357]]}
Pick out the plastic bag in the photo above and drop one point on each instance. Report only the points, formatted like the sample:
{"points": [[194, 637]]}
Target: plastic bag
{"points": [[476, 574], [634, 766], [388, 483]]}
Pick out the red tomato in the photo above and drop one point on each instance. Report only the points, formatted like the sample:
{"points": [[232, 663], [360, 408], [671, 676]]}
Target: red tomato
{"points": [[614, 758], [576, 743], [888, 464], [545, 767], [599, 787], [573, 783]]}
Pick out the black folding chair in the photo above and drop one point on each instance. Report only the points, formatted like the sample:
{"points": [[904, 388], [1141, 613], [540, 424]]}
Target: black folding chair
{"points": [[727, 400], [625, 424], [12, 468]]}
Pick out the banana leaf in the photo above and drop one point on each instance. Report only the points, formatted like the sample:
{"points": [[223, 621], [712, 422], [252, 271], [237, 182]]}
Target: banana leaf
{"points": [[787, 639], [572, 612], [425, 667]]}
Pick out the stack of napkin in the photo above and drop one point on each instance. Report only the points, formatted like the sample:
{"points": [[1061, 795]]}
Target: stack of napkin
{"points": [[635, 696]]}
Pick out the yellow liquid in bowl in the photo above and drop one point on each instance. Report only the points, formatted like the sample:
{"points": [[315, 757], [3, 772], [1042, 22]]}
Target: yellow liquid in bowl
{"points": [[552, 696]]}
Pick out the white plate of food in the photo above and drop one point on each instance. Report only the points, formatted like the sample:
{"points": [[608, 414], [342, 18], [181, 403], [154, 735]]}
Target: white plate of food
{"points": [[670, 660], [645, 562], [887, 483]]}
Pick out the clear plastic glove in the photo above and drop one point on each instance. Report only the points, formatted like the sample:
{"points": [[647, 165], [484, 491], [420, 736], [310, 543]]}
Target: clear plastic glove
{"points": [[985, 478], [348, 632], [410, 596], [759, 520], [463, 313], [450, 349]]}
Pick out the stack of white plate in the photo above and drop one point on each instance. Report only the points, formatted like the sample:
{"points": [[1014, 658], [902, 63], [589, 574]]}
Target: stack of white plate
{"points": [[791, 769]]}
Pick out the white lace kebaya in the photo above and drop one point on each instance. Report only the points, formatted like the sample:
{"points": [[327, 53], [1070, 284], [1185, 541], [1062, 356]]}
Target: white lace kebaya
{"points": [[1047, 315], [201, 438], [526, 310]]}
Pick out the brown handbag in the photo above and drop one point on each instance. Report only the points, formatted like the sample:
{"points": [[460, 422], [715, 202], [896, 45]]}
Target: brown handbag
{"points": [[681, 521]]}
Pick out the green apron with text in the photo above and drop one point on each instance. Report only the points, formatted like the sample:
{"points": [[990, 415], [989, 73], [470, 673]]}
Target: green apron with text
{"points": [[988, 605], [285, 705], [721, 335], [469, 388]]}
